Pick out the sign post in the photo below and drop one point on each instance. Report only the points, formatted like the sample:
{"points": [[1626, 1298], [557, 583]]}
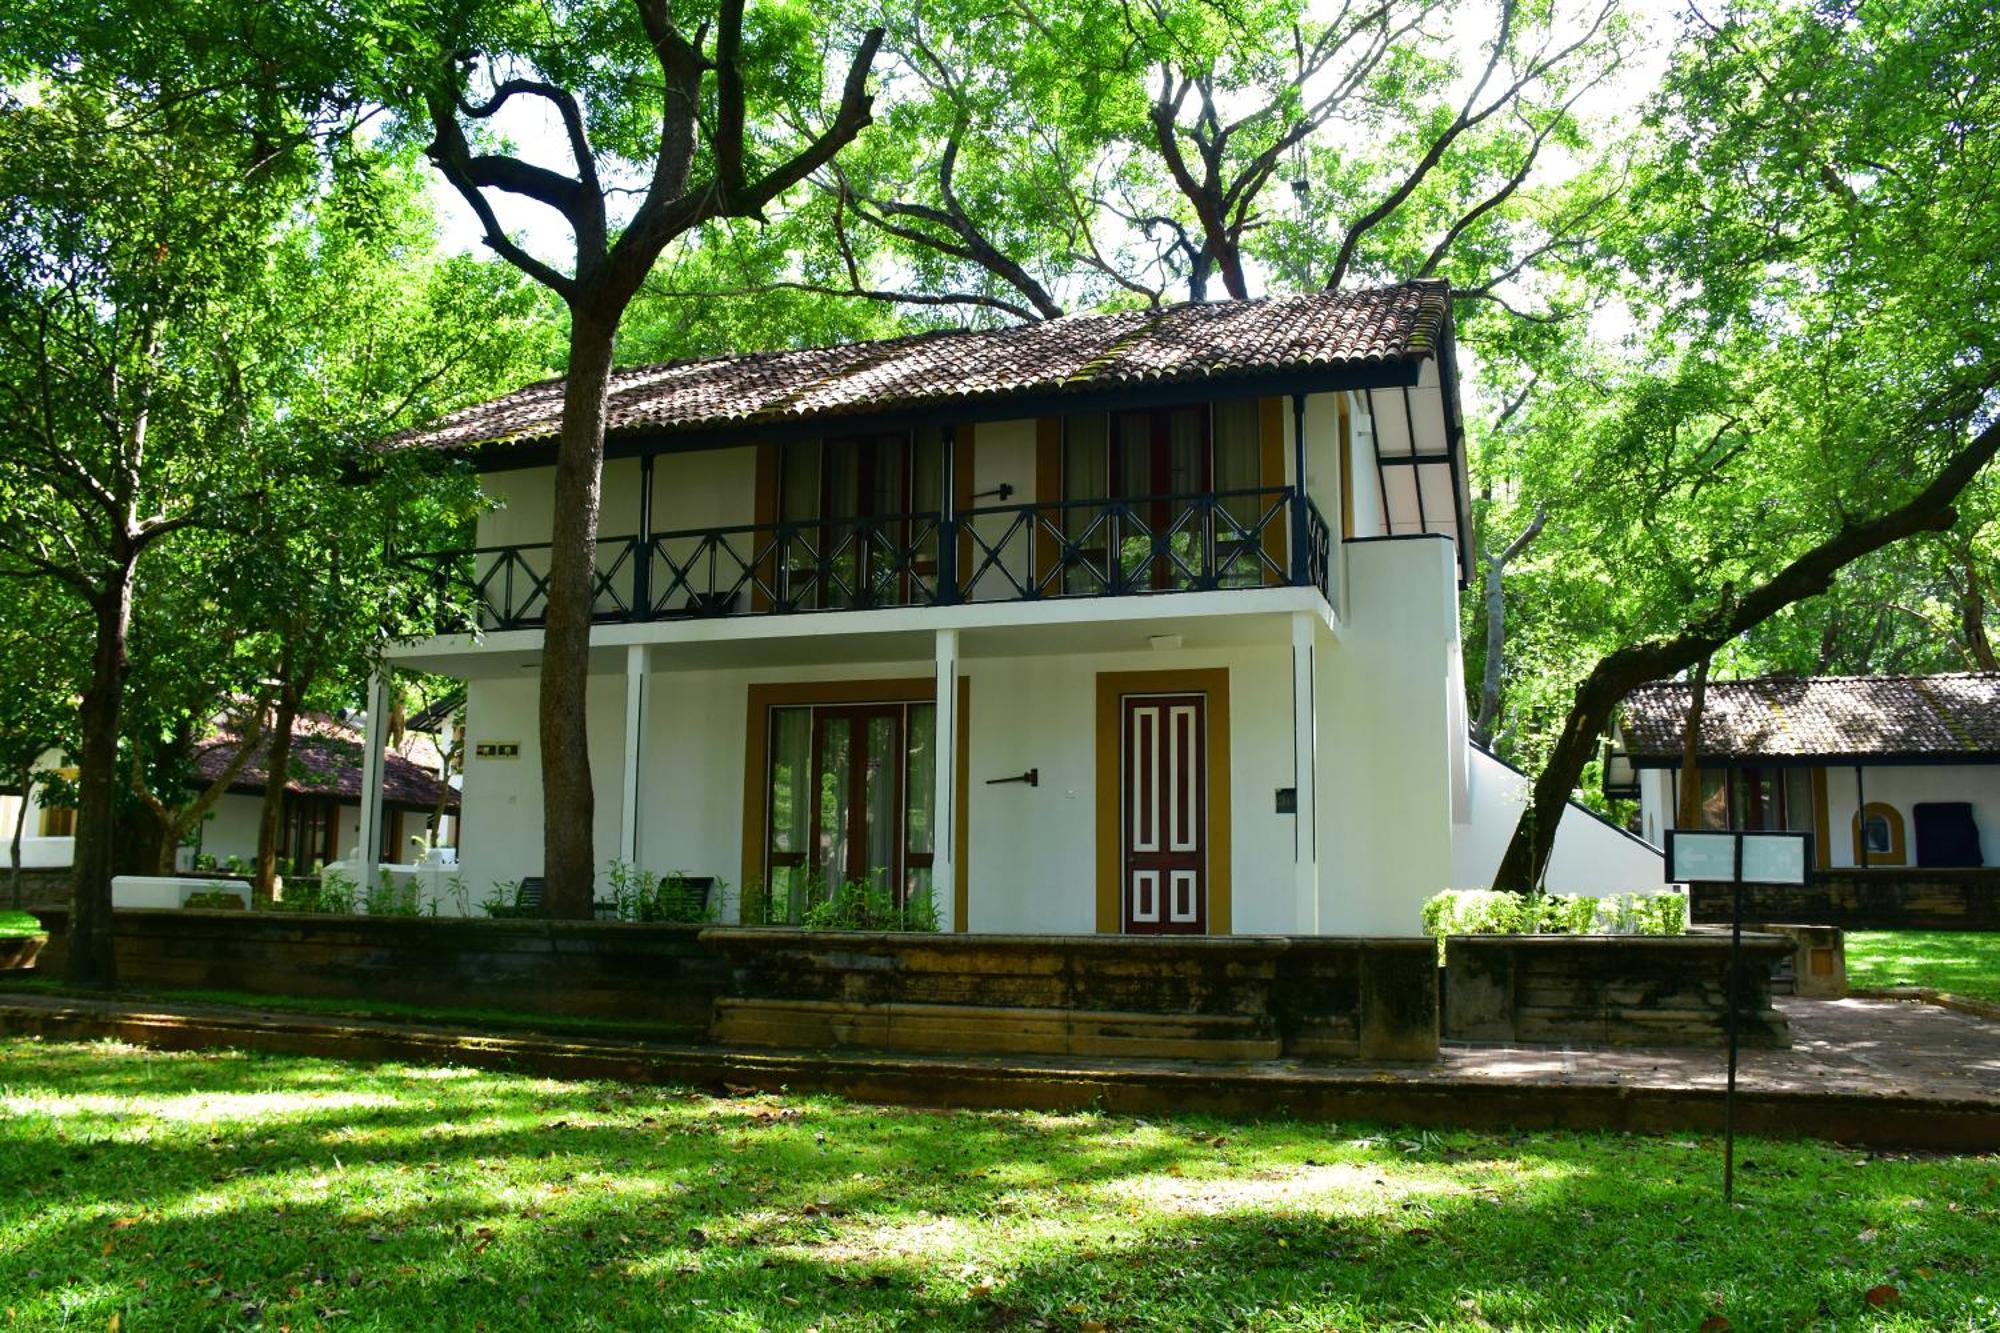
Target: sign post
{"points": [[1736, 858]]}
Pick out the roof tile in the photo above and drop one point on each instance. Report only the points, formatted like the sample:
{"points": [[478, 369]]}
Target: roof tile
{"points": [[1179, 344], [1821, 716]]}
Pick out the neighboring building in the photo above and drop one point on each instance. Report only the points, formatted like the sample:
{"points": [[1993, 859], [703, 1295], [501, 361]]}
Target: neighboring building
{"points": [[1105, 600], [322, 812], [1884, 771]]}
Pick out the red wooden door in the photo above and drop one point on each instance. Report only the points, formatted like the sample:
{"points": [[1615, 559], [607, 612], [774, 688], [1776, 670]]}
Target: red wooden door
{"points": [[1165, 814]]}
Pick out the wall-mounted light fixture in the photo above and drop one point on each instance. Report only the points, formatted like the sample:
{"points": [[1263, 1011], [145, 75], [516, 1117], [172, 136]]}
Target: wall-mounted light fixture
{"points": [[1033, 777]]}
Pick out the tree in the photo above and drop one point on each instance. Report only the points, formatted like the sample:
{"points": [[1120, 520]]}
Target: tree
{"points": [[38, 705], [636, 96], [1044, 159], [123, 416], [1812, 238]]}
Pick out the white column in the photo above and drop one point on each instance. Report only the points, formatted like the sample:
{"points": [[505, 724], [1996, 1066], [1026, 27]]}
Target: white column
{"points": [[944, 802], [374, 737], [635, 733], [1305, 732]]}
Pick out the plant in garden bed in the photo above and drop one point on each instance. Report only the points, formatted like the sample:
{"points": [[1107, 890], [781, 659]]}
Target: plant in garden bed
{"points": [[214, 900], [1489, 912], [867, 904], [637, 894]]}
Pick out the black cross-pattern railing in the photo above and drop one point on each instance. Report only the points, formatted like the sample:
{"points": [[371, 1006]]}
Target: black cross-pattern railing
{"points": [[1211, 540]]}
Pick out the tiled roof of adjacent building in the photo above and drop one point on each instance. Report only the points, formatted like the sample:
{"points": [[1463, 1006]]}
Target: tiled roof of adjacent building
{"points": [[326, 761], [1901, 717], [1187, 343]]}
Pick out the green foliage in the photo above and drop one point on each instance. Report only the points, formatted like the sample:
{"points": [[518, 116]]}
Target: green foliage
{"points": [[811, 1210], [17, 925], [866, 905], [1962, 962], [214, 899], [334, 893], [637, 894], [1487, 912], [391, 895]]}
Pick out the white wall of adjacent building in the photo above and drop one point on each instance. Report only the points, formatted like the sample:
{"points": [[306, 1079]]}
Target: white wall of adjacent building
{"points": [[1899, 786], [1590, 856]]}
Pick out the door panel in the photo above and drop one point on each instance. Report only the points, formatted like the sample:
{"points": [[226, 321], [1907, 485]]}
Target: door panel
{"points": [[1164, 813]]}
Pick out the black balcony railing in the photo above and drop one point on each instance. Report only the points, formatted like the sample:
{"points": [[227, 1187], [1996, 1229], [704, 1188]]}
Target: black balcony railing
{"points": [[1020, 552]]}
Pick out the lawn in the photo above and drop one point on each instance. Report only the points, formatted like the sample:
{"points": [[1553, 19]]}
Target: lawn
{"points": [[141, 1190], [13, 925], [1963, 962]]}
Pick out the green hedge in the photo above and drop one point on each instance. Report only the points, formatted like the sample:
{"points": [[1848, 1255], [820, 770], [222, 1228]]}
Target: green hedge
{"points": [[1485, 912]]}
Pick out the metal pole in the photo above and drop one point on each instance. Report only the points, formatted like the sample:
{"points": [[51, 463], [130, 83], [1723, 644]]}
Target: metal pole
{"points": [[1735, 989]]}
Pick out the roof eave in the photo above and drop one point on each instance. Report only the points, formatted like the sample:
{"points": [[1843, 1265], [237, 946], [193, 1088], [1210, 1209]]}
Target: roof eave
{"points": [[632, 443]]}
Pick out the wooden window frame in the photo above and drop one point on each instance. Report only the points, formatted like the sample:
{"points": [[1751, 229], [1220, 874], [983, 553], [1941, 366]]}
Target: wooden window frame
{"points": [[827, 693]]}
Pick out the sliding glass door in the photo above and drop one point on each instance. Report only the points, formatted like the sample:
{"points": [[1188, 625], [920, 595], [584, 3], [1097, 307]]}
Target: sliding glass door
{"points": [[850, 800]]}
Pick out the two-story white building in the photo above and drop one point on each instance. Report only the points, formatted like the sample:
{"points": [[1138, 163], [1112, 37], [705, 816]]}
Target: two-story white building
{"points": [[1136, 622]]}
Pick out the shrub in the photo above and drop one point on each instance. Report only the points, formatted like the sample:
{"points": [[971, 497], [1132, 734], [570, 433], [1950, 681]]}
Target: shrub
{"points": [[332, 894], [638, 894], [387, 897], [1485, 912], [866, 905], [214, 899]]}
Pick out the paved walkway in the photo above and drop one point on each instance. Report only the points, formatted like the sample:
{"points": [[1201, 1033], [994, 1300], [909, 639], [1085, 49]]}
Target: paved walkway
{"points": [[1892, 1074], [1874, 1047]]}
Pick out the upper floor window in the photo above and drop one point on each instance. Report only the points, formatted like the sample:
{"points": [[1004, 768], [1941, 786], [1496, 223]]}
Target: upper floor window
{"points": [[868, 506], [1764, 800], [1184, 483]]}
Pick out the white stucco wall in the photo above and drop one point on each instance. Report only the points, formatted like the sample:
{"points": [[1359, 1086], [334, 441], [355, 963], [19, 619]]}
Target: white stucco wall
{"points": [[1385, 740], [1899, 786], [1590, 856], [1032, 851]]}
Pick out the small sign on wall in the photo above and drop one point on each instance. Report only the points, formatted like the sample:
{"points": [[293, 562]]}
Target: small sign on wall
{"points": [[496, 750]]}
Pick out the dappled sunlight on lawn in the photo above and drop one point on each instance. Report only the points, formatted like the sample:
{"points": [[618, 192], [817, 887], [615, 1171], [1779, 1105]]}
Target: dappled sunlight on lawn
{"points": [[390, 1197], [1960, 962]]}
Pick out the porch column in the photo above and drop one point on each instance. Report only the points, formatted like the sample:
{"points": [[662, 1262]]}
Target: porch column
{"points": [[1305, 745], [635, 732], [944, 801], [374, 738]]}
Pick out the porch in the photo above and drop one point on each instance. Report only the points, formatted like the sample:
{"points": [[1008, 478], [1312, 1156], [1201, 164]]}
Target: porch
{"points": [[1047, 549]]}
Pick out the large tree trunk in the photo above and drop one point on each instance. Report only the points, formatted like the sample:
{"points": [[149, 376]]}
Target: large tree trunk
{"points": [[569, 860], [1496, 629], [20, 823], [1972, 613], [1621, 672], [91, 958], [277, 768], [1689, 814]]}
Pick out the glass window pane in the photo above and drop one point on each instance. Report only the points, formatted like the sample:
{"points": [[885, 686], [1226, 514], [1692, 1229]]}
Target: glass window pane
{"points": [[834, 804], [1238, 450], [920, 785], [799, 464], [927, 471], [1133, 439], [791, 760], [884, 766], [1714, 798], [1798, 800]]}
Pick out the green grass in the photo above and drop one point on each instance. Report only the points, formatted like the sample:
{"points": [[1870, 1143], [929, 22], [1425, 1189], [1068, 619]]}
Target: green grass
{"points": [[13, 925], [1963, 962], [143, 1189], [388, 1010]]}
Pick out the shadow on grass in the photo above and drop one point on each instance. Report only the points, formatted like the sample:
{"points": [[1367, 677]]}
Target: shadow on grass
{"points": [[184, 1190]]}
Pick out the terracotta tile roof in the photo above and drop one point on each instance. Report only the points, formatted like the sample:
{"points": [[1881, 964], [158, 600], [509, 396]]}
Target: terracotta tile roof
{"points": [[1179, 344], [326, 761], [1903, 717]]}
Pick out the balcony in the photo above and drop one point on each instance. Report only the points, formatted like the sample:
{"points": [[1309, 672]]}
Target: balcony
{"points": [[1007, 552]]}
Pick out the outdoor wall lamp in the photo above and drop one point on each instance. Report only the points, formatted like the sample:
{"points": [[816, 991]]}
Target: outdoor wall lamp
{"points": [[1033, 777]]}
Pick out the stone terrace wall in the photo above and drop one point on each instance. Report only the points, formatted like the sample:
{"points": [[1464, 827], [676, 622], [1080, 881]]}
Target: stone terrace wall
{"points": [[1616, 990], [1236, 998], [1885, 899], [594, 969]]}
